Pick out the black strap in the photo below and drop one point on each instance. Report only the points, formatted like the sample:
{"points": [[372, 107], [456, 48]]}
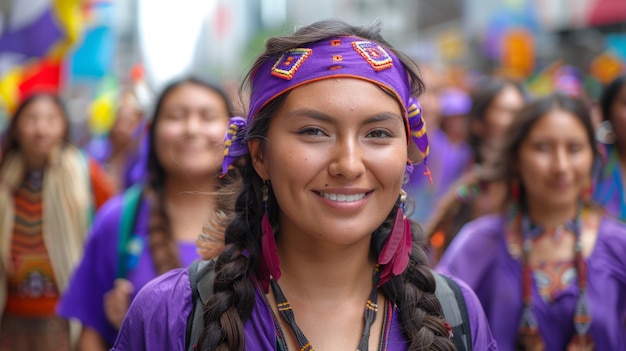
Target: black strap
{"points": [[455, 311], [201, 277]]}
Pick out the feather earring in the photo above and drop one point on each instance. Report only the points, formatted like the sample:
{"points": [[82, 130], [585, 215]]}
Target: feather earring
{"points": [[270, 264], [395, 254]]}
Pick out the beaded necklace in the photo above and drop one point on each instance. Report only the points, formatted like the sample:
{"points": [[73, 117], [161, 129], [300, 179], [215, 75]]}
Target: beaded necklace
{"points": [[582, 316], [286, 312]]}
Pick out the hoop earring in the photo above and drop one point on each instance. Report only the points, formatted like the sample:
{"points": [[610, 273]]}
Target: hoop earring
{"points": [[605, 133], [270, 264], [396, 252]]}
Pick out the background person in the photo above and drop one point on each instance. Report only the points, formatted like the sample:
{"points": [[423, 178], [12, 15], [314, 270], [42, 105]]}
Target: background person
{"points": [[185, 154], [48, 192]]}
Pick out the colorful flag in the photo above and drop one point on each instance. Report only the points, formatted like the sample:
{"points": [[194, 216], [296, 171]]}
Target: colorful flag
{"points": [[36, 36]]}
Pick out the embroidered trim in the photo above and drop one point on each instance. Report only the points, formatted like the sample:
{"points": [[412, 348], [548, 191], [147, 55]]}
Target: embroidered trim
{"points": [[374, 54], [289, 62]]}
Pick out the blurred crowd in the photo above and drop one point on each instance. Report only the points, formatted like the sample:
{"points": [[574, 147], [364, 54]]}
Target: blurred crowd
{"points": [[84, 225]]}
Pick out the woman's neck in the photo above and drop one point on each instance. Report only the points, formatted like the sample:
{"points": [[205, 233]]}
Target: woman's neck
{"points": [[188, 208], [338, 271], [550, 216]]}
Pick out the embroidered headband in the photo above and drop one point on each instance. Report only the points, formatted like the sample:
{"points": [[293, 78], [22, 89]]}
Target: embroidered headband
{"points": [[338, 57]]}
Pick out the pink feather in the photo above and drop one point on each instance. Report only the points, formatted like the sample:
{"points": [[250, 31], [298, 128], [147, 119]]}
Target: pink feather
{"points": [[268, 244]]}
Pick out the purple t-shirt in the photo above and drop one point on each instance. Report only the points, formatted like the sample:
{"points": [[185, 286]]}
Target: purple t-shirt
{"points": [[96, 273], [479, 256], [157, 319]]}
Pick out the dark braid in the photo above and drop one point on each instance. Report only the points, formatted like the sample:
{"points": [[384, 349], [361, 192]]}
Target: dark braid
{"points": [[161, 242], [413, 292], [233, 297], [226, 311]]}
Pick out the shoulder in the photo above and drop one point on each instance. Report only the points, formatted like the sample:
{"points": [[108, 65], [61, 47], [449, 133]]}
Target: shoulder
{"points": [[482, 338], [478, 235], [610, 246], [109, 214], [473, 251], [159, 310]]}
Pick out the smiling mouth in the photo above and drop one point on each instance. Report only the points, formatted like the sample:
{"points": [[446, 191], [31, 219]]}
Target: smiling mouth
{"points": [[343, 197]]}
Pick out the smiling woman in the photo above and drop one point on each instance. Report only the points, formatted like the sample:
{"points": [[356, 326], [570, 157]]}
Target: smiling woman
{"points": [[318, 250], [48, 192], [134, 241], [543, 267]]}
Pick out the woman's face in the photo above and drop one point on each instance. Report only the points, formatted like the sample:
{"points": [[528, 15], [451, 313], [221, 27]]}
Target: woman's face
{"points": [[127, 121], [40, 128], [555, 160], [335, 156], [500, 114], [190, 131], [618, 115]]}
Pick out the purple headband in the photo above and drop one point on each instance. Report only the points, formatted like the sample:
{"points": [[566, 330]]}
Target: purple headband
{"points": [[338, 57]]}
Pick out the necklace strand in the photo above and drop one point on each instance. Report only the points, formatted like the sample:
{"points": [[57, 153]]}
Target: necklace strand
{"points": [[582, 315], [286, 312]]}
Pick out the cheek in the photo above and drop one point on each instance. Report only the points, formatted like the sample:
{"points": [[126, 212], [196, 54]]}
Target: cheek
{"points": [[215, 130]]}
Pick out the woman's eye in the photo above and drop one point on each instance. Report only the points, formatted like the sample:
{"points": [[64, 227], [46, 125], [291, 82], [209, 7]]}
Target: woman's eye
{"points": [[311, 131], [575, 147], [379, 134]]}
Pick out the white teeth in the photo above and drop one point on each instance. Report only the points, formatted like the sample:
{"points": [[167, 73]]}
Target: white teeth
{"points": [[344, 197]]}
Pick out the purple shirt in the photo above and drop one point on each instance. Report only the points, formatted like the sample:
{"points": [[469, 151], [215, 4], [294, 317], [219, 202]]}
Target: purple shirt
{"points": [[157, 319], [479, 256], [96, 273]]}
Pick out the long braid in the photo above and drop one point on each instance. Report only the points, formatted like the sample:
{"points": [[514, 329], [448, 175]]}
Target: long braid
{"points": [[163, 247], [413, 292], [233, 297]]}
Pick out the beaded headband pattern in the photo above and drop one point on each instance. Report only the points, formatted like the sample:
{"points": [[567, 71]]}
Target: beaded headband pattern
{"points": [[337, 57]]}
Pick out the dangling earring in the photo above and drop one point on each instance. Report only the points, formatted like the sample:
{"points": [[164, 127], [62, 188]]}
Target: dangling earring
{"points": [[587, 193], [397, 249], [270, 264], [515, 193]]}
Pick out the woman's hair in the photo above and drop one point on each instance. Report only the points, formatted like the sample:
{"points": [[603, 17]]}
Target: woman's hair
{"points": [[609, 94], [482, 99], [11, 143], [233, 292], [506, 167], [161, 241]]}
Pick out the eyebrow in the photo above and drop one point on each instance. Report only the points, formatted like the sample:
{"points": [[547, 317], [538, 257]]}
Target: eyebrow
{"points": [[322, 117]]}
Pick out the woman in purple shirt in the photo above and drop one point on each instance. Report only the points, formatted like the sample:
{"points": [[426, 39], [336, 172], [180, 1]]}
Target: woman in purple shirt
{"points": [[163, 217], [318, 250], [550, 273]]}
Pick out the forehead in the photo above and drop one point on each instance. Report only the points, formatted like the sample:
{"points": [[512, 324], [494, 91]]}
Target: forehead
{"points": [[558, 123], [343, 93]]}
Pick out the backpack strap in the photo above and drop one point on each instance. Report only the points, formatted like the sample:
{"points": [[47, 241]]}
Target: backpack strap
{"points": [[131, 200], [201, 277], [454, 310]]}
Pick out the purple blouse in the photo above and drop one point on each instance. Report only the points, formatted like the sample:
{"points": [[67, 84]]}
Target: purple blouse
{"points": [[96, 273], [479, 256], [157, 319]]}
